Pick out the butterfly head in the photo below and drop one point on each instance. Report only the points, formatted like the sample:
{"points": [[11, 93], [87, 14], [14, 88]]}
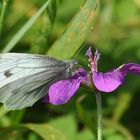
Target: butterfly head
{"points": [[72, 65]]}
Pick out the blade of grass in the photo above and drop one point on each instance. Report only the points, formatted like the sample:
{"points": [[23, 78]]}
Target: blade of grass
{"points": [[77, 31], [3, 9], [46, 131], [123, 104], [25, 28]]}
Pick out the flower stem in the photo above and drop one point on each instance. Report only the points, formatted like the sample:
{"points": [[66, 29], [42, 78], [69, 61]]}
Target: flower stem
{"points": [[99, 115]]}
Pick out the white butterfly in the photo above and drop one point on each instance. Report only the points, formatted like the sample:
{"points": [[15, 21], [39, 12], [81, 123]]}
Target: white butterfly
{"points": [[25, 78]]}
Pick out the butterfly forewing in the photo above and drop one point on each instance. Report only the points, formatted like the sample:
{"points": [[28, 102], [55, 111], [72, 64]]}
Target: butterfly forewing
{"points": [[25, 78]]}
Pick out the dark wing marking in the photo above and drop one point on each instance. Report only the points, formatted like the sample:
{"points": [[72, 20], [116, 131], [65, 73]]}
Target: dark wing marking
{"points": [[28, 78], [7, 73]]}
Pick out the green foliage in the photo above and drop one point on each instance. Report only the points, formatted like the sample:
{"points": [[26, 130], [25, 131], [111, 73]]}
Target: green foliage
{"points": [[46, 132], [59, 28]]}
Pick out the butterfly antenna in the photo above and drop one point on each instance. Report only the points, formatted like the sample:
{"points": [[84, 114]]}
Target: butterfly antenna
{"points": [[79, 50], [82, 46]]}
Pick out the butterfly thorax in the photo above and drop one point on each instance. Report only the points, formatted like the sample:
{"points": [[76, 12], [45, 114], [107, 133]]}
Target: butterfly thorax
{"points": [[71, 66]]}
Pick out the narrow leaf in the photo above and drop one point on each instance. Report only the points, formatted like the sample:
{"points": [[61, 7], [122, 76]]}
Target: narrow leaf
{"points": [[76, 32], [46, 131]]}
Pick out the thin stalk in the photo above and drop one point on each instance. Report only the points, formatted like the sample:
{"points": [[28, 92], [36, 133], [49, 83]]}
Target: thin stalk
{"points": [[99, 115], [3, 9]]}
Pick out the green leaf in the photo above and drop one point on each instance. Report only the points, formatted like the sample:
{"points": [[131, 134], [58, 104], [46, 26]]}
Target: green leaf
{"points": [[115, 129], [46, 131], [85, 134], [3, 5], [16, 116], [51, 10], [76, 32], [86, 117], [67, 125], [122, 105]]}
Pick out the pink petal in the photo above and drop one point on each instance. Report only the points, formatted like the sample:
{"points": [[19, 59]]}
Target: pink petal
{"points": [[130, 67], [109, 81], [62, 91]]}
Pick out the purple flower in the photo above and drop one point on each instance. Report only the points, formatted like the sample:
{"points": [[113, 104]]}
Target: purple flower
{"points": [[109, 81], [62, 91]]}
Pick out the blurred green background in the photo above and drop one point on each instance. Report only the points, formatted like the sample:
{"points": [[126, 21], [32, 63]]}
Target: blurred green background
{"points": [[59, 29]]}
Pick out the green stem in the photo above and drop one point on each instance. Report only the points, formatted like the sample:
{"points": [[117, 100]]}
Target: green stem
{"points": [[99, 115], [3, 8]]}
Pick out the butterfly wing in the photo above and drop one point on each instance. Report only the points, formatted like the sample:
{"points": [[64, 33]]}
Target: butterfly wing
{"points": [[25, 78]]}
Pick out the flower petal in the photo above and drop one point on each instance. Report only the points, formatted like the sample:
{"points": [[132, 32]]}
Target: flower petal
{"points": [[62, 91], [130, 67], [107, 82]]}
